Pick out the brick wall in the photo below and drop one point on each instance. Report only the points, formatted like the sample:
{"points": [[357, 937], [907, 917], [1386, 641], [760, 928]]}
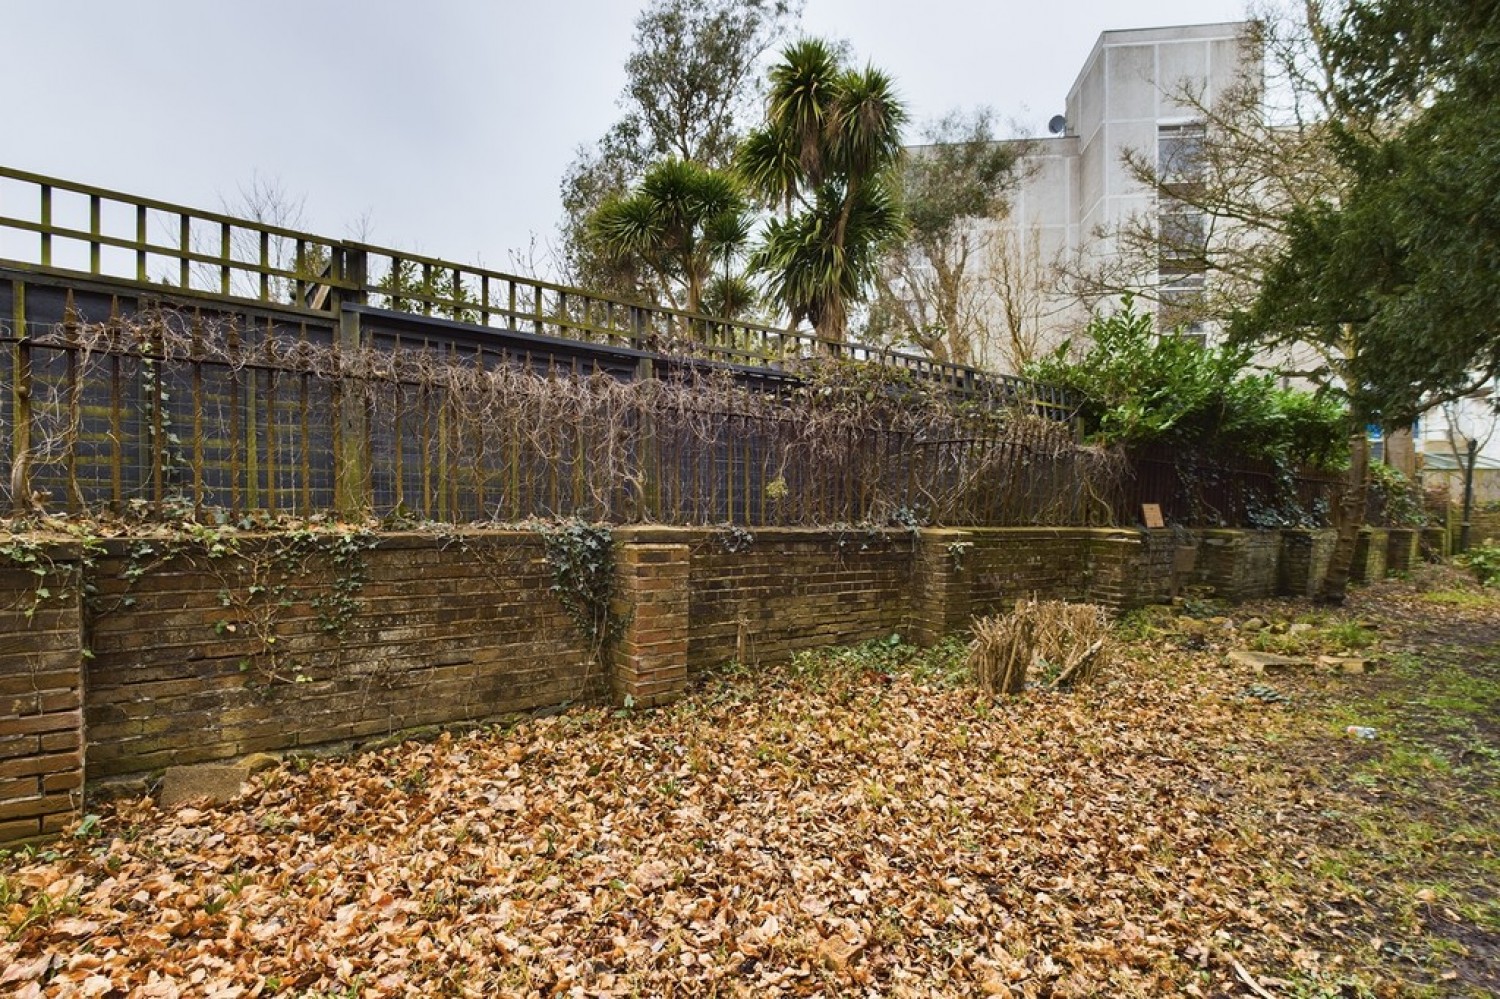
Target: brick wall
{"points": [[1135, 568], [1305, 557], [442, 631], [1008, 564], [1239, 565], [188, 668], [761, 597], [1401, 549], [1434, 544], [41, 696], [1484, 525]]}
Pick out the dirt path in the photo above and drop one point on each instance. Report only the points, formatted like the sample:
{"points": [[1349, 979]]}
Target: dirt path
{"points": [[1401, 834]]}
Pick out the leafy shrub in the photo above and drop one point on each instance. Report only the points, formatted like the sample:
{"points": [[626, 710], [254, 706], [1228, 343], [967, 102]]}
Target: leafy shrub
{"points": [[1137, 387], [1484, 561], [1395, 500]]}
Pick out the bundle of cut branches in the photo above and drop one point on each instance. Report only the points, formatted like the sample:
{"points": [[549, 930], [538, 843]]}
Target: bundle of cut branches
{"points": [[1061, 644]]}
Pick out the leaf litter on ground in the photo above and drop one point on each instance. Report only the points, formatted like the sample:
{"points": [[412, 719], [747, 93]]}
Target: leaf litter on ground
{"points": [[828, 827]]}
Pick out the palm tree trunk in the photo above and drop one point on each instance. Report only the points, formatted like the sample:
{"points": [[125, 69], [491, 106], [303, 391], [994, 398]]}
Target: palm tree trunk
{"points": [[833, 320]]}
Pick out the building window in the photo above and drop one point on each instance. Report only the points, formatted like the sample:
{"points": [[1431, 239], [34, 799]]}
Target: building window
{"points": [[1182, 239], [1179, 153], [1182, 230], [1180, 307]]}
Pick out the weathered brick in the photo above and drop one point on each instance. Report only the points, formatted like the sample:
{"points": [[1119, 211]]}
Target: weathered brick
{"points": [[46, 804], [19, 829], [50, 763], [60, 721], [72, 780]]}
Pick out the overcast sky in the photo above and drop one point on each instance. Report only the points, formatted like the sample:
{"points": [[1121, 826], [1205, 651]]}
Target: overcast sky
{"points": [[448, 123]]}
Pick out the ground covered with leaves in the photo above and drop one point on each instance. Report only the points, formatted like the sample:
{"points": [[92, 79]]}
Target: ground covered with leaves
{"points": [[862, 822]]}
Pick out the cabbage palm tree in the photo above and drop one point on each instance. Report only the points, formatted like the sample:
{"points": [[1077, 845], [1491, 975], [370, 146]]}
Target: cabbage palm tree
{"points": [[680, 224], [826, 157]]}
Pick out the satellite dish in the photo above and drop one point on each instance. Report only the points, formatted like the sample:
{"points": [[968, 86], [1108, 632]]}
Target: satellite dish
{"points": [[1058, 125]]}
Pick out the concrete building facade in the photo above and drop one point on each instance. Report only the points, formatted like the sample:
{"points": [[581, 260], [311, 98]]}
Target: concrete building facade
{"points": [[1078, 192]]}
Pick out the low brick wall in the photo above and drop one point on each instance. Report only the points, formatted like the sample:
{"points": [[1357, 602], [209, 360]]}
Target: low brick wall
{"points": [[1305, 556], [441, 631], [1434, 546], [759, 597], [961, 574], [1484, 525], [1134, 568], [41, 696], [1401, 549], [1239, 565], [1007, 564], [1369, 555], [199, 655]]}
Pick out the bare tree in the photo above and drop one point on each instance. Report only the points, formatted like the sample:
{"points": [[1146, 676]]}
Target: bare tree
{"points": [[931, 290], [1226, 183], [1021, 283], [265, 202], [1468, 433]]}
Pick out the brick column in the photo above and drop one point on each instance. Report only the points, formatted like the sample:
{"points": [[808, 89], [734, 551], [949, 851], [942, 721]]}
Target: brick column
{"points": [[1305, 555], [1401, 550], [41, 698], [944, 589], [1369, 555], [649, 660], [1434, 544]]}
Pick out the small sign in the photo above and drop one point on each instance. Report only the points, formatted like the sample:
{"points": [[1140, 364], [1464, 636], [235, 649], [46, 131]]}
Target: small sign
{"points": [[1152, 513]]}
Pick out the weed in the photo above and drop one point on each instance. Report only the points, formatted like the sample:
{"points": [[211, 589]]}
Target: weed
{"points": [[1484, 561]]}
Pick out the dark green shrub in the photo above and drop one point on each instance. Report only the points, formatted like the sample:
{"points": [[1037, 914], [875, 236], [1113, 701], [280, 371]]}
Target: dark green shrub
{"points": [[1135, 387]]}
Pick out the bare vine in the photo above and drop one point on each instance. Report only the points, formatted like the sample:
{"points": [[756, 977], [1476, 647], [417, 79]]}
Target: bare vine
{"points": [[478, 438]]}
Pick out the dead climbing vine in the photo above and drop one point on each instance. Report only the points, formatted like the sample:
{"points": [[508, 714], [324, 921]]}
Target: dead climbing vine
{"points": [[214, 413]]}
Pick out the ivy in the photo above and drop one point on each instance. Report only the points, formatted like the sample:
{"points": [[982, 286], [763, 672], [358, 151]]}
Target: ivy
{"points": [[582, 559], [1396, 500], [51, 580], [30, 555]]}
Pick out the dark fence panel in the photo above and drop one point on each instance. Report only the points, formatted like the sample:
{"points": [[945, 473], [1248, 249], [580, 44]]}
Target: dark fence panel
{"points": [[1199, 490], [124, 403]]}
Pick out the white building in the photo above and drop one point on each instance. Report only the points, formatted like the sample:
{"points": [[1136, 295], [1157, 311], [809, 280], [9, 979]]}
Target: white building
{"points": [[1079, 195], [1078, 191]]}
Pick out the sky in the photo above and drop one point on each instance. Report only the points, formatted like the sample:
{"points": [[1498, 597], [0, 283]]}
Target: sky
{"points": [[446, 125]]}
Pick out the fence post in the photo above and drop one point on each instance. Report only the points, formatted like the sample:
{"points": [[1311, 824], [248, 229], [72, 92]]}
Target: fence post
{"points": [[647, 461], [20, 441], [351, 485]]}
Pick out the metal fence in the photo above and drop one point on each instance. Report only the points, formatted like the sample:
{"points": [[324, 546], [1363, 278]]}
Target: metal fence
{"points": [[1201, 490], [192, 411], [254, 424], [58, 227]]}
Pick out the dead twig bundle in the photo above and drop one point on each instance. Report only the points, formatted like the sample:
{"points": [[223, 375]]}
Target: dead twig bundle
{"points": [[999, 654], [1065, 644]]}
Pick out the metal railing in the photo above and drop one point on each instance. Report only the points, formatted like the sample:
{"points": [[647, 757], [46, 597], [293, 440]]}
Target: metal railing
{"points": [[60, 227]]}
